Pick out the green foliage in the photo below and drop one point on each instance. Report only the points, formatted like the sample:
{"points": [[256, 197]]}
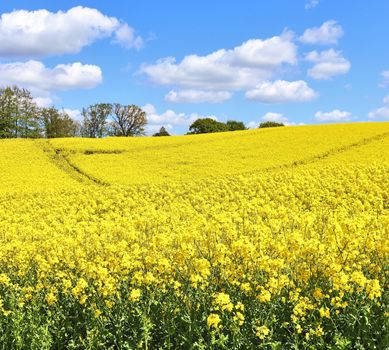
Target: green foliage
{"points": [[206, 125], [57, 124], [270, 125], [166, 319], [19, 114], [209, 125], [162, 132], [234, 125]]}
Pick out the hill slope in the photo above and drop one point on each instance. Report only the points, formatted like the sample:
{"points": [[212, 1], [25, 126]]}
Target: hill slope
{"points": [[61, 163], [266, 238]]}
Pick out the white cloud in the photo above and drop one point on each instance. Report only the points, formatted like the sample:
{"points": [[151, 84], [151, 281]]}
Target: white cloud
{"points": [[252, 125], [44, 33], [75, 114], [385, 78], [281, 91], [328, 33], [40, 80], [328, 64], [380, 113], [239, 68], [197, 96], [274, 117], [43, 101], [169, 118], [125, 36], [333, 116], [310, 4]]}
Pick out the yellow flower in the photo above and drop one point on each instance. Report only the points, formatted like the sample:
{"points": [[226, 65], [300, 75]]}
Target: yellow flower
{"points": [[324, 312], [213, 321], [4, 279], [262, 332], [223, 301], [97, 313], [373, 289], [319, 331], [318, 294], [135, 294], [265, 296], [239, 318], [299, 329], [51, 298]]}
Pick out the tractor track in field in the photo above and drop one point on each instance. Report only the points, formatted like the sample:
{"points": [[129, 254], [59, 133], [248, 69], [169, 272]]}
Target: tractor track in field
{"points": [[62, 161], [324, 155]]}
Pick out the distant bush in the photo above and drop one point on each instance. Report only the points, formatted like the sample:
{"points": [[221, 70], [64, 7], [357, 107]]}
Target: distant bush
{"points": [[162, 132], [270, 125]]}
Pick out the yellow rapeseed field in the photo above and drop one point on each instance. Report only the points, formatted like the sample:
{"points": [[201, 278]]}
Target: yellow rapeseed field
{"points": [[263, 239]]}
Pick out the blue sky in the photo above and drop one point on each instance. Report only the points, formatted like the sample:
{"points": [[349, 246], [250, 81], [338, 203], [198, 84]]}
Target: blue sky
{"points": [[299, 61]]}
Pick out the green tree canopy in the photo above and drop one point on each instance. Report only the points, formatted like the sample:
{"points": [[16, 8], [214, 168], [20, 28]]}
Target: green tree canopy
{"points": [[19, 114], [57, 124], [270, 125], [207, 125], [234, 125]]}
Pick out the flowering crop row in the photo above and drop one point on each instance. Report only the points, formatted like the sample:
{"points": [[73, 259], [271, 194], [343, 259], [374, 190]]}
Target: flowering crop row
{"points": [[294, 257]]}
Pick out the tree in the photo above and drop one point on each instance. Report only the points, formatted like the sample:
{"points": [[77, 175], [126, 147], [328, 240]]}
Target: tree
{"points": [[233, 125], [270, 125], [95, 120], [207, 125], [127, 120], [19, 114], [8, 112], [57, 124], [162, 132]]}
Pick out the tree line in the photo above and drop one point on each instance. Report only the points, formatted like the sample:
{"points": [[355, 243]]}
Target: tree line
{"points": [[20, 117]]}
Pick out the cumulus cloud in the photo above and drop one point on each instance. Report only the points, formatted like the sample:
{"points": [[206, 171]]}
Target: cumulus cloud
{"points": [[43, 101], [125, 36], [386, 100], [41, 80], [281, 91], [328, 64], [380, 113], [274, 117], [197, 96], [75, 114], [235, 69], [310, 4], [385, 78], [252, 125], [334, 116], [328, 33], [169, 119], [43, 33]]}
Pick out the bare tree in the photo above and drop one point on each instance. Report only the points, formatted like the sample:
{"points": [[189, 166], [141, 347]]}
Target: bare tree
{"points": [[128, 120]]}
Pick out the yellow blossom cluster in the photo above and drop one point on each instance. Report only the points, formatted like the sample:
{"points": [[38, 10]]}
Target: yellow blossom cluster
{"points": [[249, 238]]}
